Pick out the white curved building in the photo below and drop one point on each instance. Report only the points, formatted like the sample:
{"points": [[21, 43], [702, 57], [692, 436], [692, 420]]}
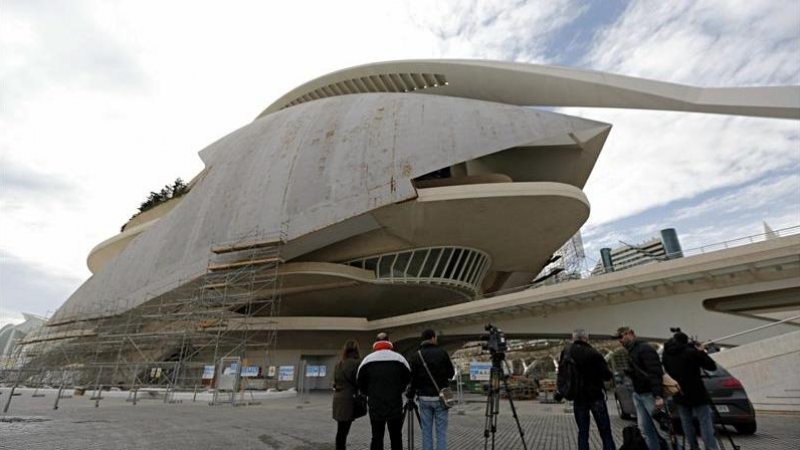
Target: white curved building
{"points": [[387, 201]]}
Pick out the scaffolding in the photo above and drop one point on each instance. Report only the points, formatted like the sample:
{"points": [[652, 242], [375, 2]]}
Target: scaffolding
{"points": [[567, 263], [170, 342]]}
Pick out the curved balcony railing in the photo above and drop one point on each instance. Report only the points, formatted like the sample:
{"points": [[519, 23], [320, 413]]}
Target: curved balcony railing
{"points": [[456, 267]]}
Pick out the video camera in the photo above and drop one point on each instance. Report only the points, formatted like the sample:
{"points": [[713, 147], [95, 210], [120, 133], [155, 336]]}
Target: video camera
{"points": [[495, 340], [693, 342], [709, 347]]}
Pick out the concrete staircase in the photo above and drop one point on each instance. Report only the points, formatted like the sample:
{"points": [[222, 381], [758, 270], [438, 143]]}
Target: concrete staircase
{"points": [[769, 370]]}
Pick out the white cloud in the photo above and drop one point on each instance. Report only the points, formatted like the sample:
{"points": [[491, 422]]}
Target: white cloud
{"points": [[26, 287], [756, 196], [654, 158], [507, 30], [709, 43]]}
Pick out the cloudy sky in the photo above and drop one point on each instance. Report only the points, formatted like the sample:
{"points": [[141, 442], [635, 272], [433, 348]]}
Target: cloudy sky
{"points": [[102, 102]]}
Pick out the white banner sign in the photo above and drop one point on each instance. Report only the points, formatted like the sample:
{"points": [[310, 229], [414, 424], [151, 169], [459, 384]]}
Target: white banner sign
{"points": [[250, 371], [286, 373], [480, 371], [208, 372]]}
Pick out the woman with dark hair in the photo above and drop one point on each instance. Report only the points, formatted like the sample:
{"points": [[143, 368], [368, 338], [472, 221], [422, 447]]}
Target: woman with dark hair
{"points": [[345, 388]]}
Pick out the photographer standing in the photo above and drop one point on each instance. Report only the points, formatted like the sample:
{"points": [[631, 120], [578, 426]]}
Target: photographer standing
{"points": [[590, 392], [431, 370], [683, 362]]}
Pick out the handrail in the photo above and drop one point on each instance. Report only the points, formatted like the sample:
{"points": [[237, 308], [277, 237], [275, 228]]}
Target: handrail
{"points": [[751, 239], [450, 266], [761, 327], [710, 248]]}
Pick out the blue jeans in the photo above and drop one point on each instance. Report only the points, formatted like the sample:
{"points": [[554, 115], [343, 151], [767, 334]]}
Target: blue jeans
{"points": [[645, 405], [430, 413], [703, 414], [599, 410]]}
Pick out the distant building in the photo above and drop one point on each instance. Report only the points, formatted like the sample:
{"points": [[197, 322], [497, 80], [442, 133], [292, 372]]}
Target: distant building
{"points": [[656, 249], [11, 334]]}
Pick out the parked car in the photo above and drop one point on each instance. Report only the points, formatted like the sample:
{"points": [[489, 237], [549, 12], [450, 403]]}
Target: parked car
{"points": [[727, 394]]}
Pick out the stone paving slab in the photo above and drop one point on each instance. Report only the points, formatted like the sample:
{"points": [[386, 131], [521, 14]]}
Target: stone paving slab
{"points": [[285, 424]]}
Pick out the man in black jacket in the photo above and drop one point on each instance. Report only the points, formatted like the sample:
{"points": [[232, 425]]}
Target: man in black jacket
{"points": [[426, 383], [683, 362], [647, 376], [591, 394], [383, 375]]}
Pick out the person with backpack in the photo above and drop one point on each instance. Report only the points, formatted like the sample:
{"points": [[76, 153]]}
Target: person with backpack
{"points": [[581, 373], [647, 376]]}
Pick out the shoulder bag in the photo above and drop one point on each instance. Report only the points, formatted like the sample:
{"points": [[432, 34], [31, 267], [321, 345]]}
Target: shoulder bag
{"points": [[359, 399], [446, 397], [359, 405], [669, 386]]}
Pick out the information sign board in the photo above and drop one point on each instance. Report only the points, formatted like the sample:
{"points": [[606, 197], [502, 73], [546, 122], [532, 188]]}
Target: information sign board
{"points": [[208, 372], [480, 371], [250, 371], [286, 373]]}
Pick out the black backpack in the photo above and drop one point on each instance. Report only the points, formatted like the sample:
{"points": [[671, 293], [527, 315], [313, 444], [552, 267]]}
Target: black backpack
{"points": [[632, 439], [569, 380]]}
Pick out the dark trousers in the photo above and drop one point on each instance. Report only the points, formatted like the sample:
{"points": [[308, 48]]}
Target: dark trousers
{"points": [[342, 430], [600, 412], [395, 426]]}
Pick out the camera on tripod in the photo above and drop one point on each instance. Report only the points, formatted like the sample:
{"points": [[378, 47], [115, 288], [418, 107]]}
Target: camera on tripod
{"points": [[495, 343], [495, 340]]}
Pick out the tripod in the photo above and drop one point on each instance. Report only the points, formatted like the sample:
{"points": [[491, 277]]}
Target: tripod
{"points": [[665, 423], [493, 401], [718, 416], [724, 429], [411, 406]]}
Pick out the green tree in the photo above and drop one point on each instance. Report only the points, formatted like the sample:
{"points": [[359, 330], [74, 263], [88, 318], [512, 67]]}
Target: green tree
{"points": [[168, 192]]}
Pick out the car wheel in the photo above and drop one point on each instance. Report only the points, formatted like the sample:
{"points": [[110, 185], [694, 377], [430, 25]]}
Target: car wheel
{"points": [[747, 428]]}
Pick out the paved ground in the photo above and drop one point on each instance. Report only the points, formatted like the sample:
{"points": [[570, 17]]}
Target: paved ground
{"points": [[285, 424]]}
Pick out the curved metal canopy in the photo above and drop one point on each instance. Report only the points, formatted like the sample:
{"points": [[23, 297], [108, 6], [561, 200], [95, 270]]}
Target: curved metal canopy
{"points": [[537, 85]]}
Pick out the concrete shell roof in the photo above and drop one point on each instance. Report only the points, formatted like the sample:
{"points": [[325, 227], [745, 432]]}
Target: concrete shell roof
{"points": [[313, 167], [538, 85]]}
